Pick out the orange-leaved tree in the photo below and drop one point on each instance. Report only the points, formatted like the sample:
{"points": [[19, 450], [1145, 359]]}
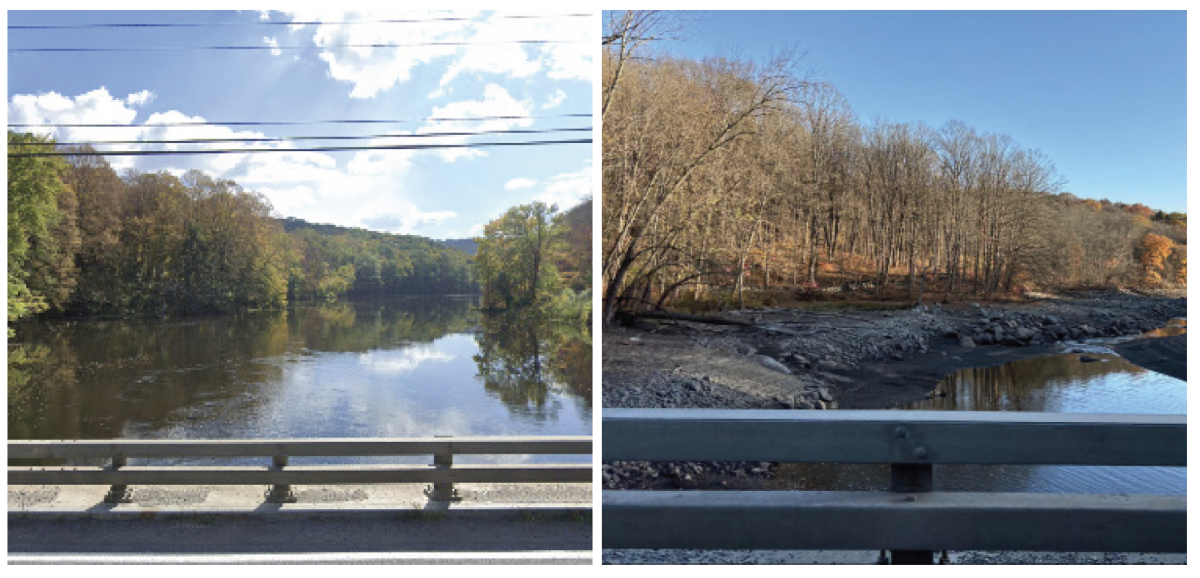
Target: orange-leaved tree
{"points": [[1152, 262]]}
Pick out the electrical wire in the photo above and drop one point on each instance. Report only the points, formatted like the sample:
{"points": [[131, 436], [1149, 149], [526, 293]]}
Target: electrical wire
{"points": [[288, 150], [269, 47], [302, 122], [280, 23], [303, 138]]}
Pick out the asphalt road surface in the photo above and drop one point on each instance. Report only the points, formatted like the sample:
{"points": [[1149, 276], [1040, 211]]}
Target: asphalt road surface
{"points": [[395, 536]]}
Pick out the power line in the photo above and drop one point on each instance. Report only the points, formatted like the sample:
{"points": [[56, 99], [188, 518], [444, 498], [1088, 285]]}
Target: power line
{"points": [[288, 150], [268, 47], [301, 122], [301, 138], [279, 23]]}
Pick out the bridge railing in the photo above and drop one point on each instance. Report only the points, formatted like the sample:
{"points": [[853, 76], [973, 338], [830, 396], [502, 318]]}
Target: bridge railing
{"points": [[911, 521], [442, 473]]}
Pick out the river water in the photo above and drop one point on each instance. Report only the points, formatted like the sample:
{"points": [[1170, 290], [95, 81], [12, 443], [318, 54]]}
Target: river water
{"points": [[409, 367], [1085, 378]]}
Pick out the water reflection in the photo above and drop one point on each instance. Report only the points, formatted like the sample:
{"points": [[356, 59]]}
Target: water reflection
{"points": [[1174, 327], [398, 368], [1068, 383], [1087, 381], [522, 359]]}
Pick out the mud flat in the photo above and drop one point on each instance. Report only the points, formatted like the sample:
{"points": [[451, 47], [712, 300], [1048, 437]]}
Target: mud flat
{"points": [[1167, 355], [772, 358]]}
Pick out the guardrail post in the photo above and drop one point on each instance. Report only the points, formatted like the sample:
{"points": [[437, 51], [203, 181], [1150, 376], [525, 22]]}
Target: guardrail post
{"points": [[443, 491], [909, 478], [118, 493], [280, 493]]}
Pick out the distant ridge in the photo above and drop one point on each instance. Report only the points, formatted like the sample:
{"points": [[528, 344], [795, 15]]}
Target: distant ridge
{"points": [[290, 224], [468, 246]]}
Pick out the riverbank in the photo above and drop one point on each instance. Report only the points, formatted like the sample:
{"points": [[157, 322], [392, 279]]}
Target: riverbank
{"points": [[847, 359], [776, 358], [773, 359], [1166, 355]]}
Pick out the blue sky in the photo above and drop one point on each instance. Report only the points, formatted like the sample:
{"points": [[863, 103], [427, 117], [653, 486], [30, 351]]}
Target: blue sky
{"points": [[1103, 94], [445, 193]]}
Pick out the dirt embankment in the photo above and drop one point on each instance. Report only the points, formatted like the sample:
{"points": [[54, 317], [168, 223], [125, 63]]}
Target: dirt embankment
{"points": [[802, 359]]}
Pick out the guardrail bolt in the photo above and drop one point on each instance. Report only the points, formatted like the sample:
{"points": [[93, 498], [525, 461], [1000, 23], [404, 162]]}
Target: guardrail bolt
{"points": [[118, 493], [280, 493]]}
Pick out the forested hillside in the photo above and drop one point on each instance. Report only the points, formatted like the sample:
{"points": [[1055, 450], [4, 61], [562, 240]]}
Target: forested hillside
{"points": [[574, 261], [337, 260], [721, 174], [468, 246], [84, 240]]}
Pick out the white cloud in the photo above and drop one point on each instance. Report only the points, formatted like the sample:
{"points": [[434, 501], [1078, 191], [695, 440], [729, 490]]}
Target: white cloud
{"points": [[95, 107], [555, 99], [140, 98], [493, 51], [365, 190], [519, 183], [497, 102], [374, 70], [274, 44], [568, 189], [476, 44]]}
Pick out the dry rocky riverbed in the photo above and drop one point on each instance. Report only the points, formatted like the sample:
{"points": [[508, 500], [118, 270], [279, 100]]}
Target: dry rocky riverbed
{"points": [[812, 360], [802, 359]]}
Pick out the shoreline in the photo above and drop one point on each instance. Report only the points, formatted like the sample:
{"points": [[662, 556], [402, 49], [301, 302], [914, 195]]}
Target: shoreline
{"points": [[863, 360], [805, 360]]}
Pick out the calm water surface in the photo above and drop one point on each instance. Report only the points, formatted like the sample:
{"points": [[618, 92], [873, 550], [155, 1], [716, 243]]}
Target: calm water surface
{"points": [[1054, 383], [411, 367]]}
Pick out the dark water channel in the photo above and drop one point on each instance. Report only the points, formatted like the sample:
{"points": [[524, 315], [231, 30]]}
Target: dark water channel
{"points": [[1062, 383], [410, 367]]}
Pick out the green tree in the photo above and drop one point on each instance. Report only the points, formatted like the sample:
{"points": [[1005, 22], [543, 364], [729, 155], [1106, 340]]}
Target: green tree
{"points": [[515, 262], [34, 187]]}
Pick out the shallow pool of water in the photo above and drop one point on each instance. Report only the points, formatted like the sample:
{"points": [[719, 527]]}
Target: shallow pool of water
{"points": [[1089, 379]]}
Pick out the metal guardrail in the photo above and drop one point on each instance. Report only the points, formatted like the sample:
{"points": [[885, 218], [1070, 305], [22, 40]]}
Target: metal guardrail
{"points": [[912, 521], [442, 473]]}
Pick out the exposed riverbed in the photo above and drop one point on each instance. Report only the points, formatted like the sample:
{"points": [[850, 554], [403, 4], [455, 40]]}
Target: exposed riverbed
{"points": [[1022, 357], [859, 360]]}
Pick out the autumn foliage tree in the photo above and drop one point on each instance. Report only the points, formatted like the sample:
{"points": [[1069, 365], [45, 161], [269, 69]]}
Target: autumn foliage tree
{"points": [[84, 241], [1154, 259], [724, 177]]}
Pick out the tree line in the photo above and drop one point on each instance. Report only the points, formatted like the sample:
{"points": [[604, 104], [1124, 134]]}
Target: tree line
{"points": [[719, 174], [83, 240]]}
